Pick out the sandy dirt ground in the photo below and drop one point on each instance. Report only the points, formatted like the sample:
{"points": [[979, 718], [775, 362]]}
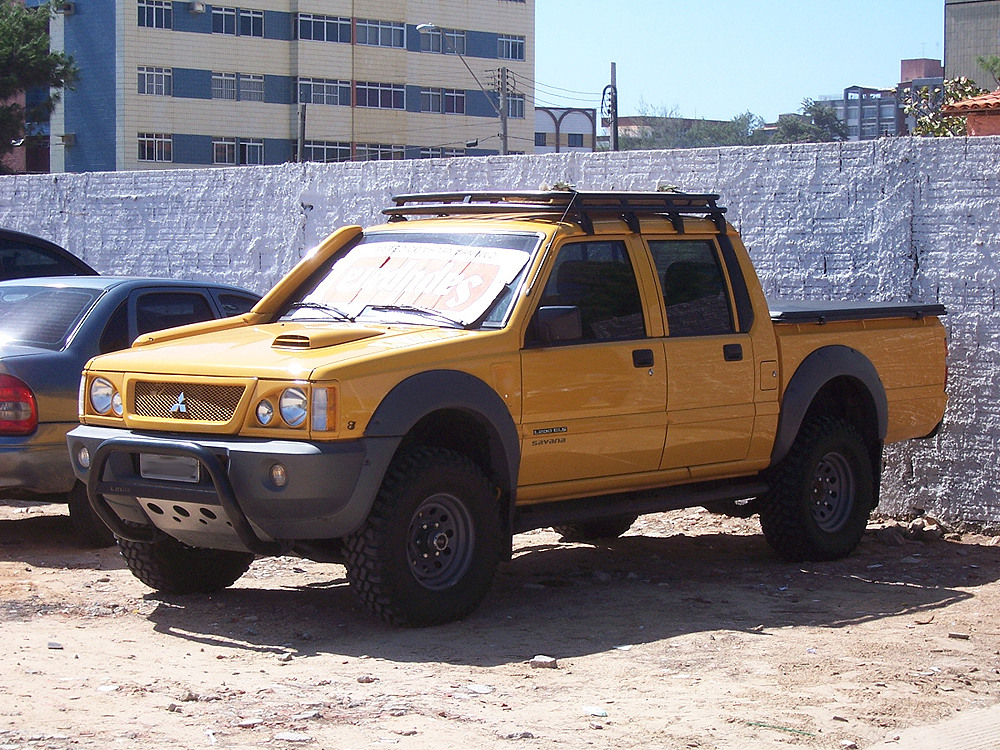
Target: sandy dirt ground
{"points": [[686, 633]]}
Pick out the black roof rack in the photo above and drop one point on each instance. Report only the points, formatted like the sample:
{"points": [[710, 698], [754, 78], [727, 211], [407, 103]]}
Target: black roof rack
{"points": [[576, 205]]}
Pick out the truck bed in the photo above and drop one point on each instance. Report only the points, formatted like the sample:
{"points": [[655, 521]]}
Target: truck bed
{"points": [[822, 311]]}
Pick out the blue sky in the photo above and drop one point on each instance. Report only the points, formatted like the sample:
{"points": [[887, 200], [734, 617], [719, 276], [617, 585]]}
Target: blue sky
{"points": [[718, 58]]}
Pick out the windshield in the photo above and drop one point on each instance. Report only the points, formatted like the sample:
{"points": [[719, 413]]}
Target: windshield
{"points": [[42, 315], [444, 279]]}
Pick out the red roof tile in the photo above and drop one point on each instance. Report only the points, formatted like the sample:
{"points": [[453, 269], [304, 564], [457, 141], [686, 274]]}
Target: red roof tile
{"points": [[982, 103]]}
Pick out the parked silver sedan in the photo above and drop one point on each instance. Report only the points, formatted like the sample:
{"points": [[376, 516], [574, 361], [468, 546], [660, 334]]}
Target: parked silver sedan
{"points": [[49, 328]]}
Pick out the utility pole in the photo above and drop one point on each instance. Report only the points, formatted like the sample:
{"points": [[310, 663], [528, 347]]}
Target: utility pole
{"points": [[301, 140], [503, 111], [614, 107]]}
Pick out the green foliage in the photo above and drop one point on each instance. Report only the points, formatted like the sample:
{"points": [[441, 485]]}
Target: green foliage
{"points": [[26, 63], [818, 123], [990, 64], [662, 128], [924, 104]]}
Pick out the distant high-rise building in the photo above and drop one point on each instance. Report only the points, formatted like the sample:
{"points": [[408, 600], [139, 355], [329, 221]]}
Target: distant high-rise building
{"points": [[172, 83], [971, 31]]}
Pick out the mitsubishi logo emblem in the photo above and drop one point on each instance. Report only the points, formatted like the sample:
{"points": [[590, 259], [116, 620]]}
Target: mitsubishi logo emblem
{"points": [[180, 407]]}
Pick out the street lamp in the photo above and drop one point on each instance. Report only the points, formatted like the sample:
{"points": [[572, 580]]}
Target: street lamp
{"points": [[424, 28]]}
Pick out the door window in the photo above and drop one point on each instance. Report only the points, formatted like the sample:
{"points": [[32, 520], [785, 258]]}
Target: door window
{"points": [[598, 279], [158, 310], [694, 288]]}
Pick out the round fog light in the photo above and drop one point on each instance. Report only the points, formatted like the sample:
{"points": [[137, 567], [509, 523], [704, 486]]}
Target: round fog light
{"points": [[83, 457], [279, 475]]}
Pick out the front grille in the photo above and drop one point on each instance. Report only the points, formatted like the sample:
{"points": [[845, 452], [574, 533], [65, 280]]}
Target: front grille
{"points": [[207, 403]]}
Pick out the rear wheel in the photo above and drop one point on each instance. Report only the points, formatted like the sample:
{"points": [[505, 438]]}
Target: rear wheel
{"points": [[89, 526], [428, 550], [601, 528], [821, 494], [174, 568]]}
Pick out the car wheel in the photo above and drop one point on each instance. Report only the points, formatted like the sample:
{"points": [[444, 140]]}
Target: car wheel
{"points": [[174, 568], [821, 494], [89, 526], [430, 546]]}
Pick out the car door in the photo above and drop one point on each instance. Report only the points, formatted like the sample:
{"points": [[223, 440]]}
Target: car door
{"points": [[709, 362], [155, 309], [593, 382]]}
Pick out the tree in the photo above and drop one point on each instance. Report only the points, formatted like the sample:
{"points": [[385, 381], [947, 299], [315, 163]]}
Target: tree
{"points": [[818, 123], [924, 106], [26, 63], [990, 64], [662, 128]]}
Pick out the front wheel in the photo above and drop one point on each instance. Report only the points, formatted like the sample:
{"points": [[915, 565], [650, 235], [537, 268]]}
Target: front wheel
{"points": [[174, 568], [429, 548], [821, 493]]}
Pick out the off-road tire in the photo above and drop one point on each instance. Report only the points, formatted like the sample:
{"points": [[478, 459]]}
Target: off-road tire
{"points": [[430, 546], [88, 525], [174, 568], [592, 531], [821, 494]]}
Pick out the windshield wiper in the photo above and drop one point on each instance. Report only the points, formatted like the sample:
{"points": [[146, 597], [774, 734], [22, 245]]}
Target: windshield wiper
{"points": [[427, 312], [332, 311]]}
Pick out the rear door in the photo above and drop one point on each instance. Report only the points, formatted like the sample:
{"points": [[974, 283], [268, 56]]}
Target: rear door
{"points": [[594, 405], [710, 363]]}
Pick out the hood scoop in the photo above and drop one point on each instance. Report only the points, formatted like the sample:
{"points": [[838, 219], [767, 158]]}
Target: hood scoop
{"points": [[318, 339]]}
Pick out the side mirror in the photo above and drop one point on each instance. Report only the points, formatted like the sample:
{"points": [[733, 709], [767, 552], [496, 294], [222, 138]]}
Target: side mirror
{"points": [[559, 323]]}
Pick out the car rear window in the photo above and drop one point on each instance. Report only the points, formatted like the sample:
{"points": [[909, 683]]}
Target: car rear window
{"points": [[42, 316]]}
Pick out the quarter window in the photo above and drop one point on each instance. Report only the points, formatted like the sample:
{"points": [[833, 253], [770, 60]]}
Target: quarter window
{"points": [[694, 288]]}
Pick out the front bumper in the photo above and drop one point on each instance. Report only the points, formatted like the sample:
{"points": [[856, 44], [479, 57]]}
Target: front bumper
{"points": [[233, 504]]}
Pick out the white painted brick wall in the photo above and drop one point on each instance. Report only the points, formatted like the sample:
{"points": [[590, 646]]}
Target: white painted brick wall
{"points": [[895, 219]]}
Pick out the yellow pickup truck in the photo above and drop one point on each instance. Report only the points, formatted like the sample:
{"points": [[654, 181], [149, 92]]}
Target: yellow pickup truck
{"points": [[411, 395]]}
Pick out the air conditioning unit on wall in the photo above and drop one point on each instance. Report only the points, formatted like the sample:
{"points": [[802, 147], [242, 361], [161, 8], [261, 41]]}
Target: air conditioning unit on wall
{"points": [[197, 7], [67, 9]]}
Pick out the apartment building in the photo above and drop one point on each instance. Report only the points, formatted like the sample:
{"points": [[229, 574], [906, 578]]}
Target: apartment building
{"points": [[169, 84], [971, 31]]}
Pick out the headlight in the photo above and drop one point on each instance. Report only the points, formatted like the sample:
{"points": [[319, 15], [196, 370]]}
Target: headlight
{"points": [[101, 395], [265, 412], [293, 406]]}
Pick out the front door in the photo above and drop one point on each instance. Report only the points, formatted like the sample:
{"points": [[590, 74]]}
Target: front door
{"points": [[593, 405]]}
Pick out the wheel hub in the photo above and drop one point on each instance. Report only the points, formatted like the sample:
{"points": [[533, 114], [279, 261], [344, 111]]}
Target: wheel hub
{"points": [[441, 540], [832, 493]]}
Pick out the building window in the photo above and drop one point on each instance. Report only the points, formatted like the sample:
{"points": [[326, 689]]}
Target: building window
{"points": [[381, 33], [540, 139], [326, 151], [510, 47], [251, 23], [156, 14], [324, 28], [224, 86], [447, 101], [438, 152], [324, 91], [448, 41], [251, 151], [380, 152], [156, 147], [223, 151], [381, 95], [515, 106], [574, 139], [156, 81], [224, 20], [251, 87]]}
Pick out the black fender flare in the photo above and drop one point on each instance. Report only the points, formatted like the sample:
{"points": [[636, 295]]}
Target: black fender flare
{"points": [[815, 371], [415, 397]]}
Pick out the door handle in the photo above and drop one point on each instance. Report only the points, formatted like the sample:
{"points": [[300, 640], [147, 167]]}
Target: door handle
{"points": [[642, 357], [732, 352]]}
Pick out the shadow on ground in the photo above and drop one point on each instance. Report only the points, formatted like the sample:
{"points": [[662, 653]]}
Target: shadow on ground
{"points": [[573, 600]]}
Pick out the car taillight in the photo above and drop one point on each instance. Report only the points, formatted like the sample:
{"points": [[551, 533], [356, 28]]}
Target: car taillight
{"points": [[18, 408]]}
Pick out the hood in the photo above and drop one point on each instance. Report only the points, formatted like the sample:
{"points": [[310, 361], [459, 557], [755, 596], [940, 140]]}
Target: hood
{"points": [[275, 350]]}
